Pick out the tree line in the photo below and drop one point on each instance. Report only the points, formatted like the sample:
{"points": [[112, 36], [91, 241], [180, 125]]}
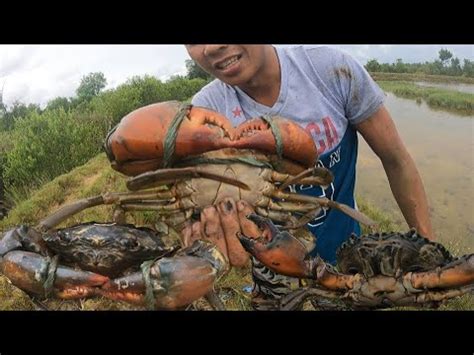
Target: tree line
{"points": [[445, 64]]}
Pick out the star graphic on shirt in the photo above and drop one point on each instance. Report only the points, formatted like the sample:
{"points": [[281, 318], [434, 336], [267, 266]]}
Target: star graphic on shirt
{"points": [[237, 111]]}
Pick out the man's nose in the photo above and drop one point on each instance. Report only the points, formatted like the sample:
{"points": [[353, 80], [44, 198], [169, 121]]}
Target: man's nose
{"points": [[213, 49]]}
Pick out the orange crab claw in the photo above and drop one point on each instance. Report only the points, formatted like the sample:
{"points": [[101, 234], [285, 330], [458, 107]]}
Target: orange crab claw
{"points": [[150, 137], [29, 271], [138, 143], [297, 144], [280, 251], [457, 273], [178, 282], [173, 282]]}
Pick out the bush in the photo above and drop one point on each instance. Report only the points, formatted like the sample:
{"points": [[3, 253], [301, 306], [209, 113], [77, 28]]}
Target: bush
{"points": [[47, 145]]}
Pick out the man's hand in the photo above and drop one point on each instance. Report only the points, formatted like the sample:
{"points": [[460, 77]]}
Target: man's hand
{"points": [[220, 224]]}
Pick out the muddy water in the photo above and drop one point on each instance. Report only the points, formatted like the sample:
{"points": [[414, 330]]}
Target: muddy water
{"points": [[468, 88], [442, 145]]}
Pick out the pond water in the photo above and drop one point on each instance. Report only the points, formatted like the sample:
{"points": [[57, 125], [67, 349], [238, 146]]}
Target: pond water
{"points": [[442, 145]]}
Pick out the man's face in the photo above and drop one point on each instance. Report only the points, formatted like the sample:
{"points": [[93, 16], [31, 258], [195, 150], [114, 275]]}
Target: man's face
{"points": [[232, 64]]}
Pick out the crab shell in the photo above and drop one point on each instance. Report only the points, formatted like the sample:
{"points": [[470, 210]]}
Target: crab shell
{"points": [[136, 144]]}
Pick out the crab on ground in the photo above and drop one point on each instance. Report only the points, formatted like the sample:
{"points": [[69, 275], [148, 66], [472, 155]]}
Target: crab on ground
{"points": [[377, 270]]}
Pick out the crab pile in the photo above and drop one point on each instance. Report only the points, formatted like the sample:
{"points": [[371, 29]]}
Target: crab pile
{"points": [[180, 160]]}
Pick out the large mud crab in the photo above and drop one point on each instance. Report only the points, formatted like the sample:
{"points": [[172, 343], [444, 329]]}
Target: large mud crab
{"points": [[378, 270], [205, 159]]}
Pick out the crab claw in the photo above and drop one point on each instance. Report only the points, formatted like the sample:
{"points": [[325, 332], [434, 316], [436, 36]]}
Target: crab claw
{"points": [[171, 283], [455, 274], [279, 251], [30, 272]]}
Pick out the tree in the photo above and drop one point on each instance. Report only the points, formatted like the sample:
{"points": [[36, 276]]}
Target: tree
{"points": [[399, 67], [373, 66], [59, 102], [444, 55], [91, 85], [195, 71], [455, 68], [468, 68], [18, 111]]}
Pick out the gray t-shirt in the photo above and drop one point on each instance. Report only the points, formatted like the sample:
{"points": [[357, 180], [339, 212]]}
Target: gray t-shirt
{"points": [[326, 91]]}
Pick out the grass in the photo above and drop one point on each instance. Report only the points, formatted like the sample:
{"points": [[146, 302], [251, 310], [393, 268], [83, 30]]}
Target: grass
{"points": [[421, 77], [97, 177], [449, 100]]}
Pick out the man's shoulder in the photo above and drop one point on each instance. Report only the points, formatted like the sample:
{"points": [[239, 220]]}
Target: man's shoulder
{"points": [[317, 54]]}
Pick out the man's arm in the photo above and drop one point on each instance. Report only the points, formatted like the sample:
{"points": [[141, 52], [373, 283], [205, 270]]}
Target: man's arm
{"points": [[380, 133]]}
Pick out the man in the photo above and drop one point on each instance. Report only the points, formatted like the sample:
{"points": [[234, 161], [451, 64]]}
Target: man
{"points": [[333, 97]]}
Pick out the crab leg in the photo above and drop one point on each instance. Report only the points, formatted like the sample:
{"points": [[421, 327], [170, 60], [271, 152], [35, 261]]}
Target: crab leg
{"points": [[106, 199], [288, 206], [67, 211], [303, 220], [179, 205], [278, 216], [154, 178], [324, 202], [296, 298], [311, 176]]}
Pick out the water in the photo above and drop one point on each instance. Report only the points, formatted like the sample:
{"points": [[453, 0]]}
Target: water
{"points": [[468, 88], [442, 145]]}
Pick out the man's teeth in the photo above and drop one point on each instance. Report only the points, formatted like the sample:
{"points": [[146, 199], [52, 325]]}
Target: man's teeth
{"points": [[228, 62]]}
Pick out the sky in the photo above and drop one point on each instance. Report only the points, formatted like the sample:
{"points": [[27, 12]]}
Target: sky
{"points": [[39, 73]]}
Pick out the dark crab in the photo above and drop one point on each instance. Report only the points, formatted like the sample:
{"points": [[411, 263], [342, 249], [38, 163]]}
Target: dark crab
{"points": [[121, 262], [377, 270], [107, 248]]}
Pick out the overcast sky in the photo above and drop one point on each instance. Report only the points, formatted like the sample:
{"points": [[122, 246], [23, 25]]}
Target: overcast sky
{"points": [[39, 73]]}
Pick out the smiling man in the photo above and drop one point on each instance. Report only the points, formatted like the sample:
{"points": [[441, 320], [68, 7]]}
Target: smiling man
{"points": [[333, 97]]}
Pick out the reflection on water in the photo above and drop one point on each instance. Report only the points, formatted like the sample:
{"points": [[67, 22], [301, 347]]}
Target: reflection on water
{"points": [[469, 88], [442, 145]]}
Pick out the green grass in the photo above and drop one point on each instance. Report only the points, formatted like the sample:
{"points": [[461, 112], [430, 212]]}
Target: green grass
{"points": [[449, 100], [97, 177], [421, 77]]}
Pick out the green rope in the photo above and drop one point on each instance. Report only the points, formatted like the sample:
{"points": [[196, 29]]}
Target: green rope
{"points": [[276, 133], [149, 295], [51, 276], [169, 144]]}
